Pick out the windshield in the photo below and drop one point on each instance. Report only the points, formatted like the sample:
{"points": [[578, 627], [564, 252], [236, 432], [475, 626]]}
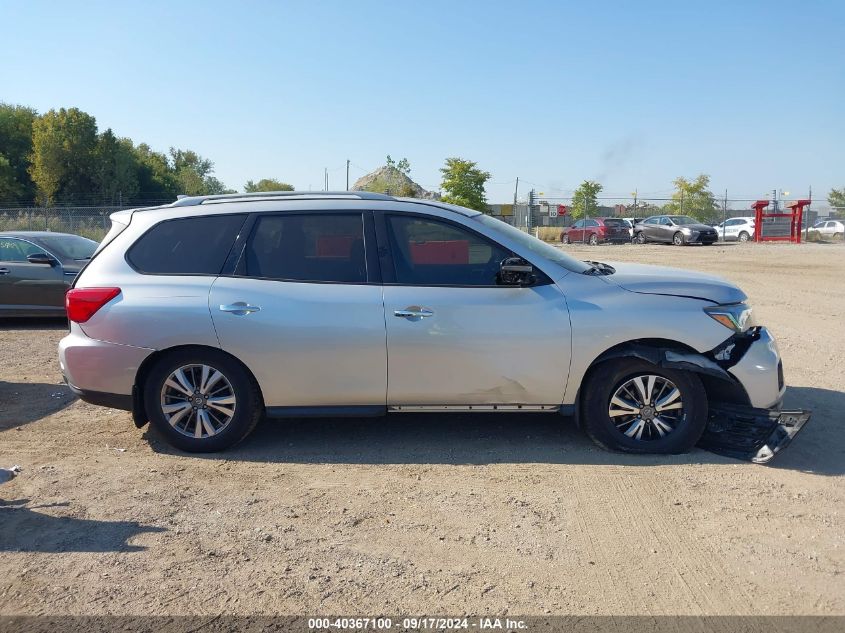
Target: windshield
{"points": [[533, 244], [683, 219], [69, 246]]}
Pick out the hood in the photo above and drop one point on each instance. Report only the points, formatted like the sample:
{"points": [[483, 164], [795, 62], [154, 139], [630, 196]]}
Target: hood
{"points": [[697, 227], [662, 280]]}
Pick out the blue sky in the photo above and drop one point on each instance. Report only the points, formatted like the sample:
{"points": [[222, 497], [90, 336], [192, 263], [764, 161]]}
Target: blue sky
{"points": [[630, 93]]}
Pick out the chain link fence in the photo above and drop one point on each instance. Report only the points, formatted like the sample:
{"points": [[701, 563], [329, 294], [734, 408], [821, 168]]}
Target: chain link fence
{"points": [[88, 221]]}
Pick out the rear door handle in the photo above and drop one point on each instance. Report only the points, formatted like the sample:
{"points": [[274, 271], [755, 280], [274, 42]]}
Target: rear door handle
{"points": [[413, 312], [4, 271], [239, 308]]}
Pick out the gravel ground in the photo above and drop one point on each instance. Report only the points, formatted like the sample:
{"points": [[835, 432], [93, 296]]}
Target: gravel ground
{"points": [[433, 514]]}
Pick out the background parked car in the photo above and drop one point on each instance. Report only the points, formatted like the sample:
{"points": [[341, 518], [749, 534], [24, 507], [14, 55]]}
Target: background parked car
{"points": [[674, 229], [736, 229], [632, 222], [596, 230], [37, 268], [828, 229]]}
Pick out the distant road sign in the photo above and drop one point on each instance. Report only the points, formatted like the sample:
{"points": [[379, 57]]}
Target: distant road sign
{"points": [[553, 211]]}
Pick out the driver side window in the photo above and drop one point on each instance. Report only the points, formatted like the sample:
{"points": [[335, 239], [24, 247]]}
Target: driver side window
{"points": [[433, 253]]}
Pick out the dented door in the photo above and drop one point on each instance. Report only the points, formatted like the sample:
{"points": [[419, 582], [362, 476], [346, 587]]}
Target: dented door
{"points": [[476, 345]]}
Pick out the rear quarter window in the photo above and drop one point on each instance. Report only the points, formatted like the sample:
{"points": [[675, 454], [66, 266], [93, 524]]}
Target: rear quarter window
{"points": [[615, 222], [186, 246]]}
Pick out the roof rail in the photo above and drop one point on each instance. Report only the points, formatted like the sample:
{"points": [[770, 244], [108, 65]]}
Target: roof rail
{"points": [[238, 197]]}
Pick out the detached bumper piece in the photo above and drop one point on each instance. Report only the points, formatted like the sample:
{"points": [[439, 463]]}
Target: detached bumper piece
{"points": [[751, 434]]}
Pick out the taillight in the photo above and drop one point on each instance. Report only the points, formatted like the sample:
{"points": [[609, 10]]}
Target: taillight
{"points": [[82, 303]]}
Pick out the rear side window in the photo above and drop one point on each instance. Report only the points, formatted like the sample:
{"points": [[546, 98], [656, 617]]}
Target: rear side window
{"points": [[186, 246], [319, 248]]}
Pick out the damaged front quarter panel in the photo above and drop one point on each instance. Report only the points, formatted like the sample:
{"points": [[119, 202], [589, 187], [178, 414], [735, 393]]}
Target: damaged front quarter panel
{"points": [[736, 428]]}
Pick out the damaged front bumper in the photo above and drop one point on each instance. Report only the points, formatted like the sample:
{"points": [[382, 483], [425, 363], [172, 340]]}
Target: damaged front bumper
{"points": [[751, 434]]}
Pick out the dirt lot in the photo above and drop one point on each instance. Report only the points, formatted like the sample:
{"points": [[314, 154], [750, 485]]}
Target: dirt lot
{"points": [[433, 514]]}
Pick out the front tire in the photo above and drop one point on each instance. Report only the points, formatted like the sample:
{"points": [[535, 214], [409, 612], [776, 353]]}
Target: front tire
{"points": [[565, 239], [633, 406], [678, 239], [639, 238], [201, 401]]}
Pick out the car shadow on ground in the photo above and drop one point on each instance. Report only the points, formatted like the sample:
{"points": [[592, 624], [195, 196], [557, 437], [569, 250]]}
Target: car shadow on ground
{"points": [[25, 402], [24, 530], [479, 439]]}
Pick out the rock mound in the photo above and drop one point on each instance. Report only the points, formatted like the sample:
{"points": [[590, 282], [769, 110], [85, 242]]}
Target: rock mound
{"points": [[390, 180]]}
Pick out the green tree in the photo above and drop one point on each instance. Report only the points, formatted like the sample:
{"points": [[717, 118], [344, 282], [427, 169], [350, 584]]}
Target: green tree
{"points": [[267, 184], [584, 199], [464, 183], [10, 188], [63, 144], [194, 174], [116, 173], [156, 177], [694, 198], [15, 148], [836, 198]]}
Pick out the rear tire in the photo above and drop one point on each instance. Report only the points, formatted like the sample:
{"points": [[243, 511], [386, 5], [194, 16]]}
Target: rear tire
{"points": [[594, 239], [229, 405], [619, 433], [837, 236], [744, 237]]}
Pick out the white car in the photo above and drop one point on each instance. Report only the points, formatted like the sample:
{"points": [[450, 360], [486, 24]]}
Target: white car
{"points": [[829, 228], [736, 229]]}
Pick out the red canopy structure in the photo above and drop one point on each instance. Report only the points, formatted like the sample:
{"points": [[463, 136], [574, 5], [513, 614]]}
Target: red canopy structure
{"points": [[796, 214]]}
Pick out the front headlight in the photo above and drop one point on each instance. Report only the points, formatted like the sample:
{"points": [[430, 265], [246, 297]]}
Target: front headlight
{"points": [[735, 316]]}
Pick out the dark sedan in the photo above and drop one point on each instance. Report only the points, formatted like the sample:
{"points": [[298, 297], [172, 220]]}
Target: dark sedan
{"points": [[674, 229], [37, 268]]}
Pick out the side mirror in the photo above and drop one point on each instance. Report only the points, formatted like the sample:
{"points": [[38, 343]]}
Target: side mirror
{"points": [[515, 271], [41, 258]]}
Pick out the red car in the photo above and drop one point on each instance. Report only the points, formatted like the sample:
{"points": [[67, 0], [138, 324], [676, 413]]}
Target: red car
{"points": [[597, 230]]}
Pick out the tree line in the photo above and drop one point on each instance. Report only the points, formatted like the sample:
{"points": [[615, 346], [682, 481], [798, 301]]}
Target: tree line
{"points": [[60, 157]]}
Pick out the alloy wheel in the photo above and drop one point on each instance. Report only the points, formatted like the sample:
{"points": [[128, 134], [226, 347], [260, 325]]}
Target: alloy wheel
{"points": [[646, 407], [198, 401]]}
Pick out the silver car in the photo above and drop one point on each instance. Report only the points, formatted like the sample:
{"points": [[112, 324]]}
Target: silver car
{"points": [[204, 315]]}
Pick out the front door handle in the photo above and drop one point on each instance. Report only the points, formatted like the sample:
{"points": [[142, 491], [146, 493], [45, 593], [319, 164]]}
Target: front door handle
{"points": [[413, 312], [4, 271], [239, 308]]}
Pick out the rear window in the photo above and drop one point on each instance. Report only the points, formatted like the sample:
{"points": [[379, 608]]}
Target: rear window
{"points": [[318, 248], [187, 246], [615, 222]]}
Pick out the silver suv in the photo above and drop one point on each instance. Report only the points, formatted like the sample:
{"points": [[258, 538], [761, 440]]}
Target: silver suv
{"points": [[204, 315]]}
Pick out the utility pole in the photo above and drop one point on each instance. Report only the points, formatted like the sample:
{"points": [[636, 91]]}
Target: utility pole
{"points": [[774, 200], [347, 174], [635, 203], [724, 214], [326, 178], [515, 191]]}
